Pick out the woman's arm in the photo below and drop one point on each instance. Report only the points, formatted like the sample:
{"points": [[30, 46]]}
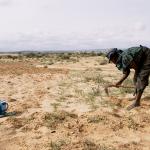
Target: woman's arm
{"points": [[125, 75]]}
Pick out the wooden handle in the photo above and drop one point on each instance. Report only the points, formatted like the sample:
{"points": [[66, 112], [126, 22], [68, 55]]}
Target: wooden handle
{"points": [[112, 85], [123, 86]]}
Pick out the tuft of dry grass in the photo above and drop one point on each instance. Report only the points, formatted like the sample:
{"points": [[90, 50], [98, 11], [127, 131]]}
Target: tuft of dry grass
{"points": [[57, 144], [94, 77], [97, 119], [90, 145], [55, 106], [52, 120]]}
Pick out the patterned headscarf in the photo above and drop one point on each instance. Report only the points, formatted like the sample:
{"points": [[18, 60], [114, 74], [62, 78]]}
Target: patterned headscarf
{"points": [[111, 52]]}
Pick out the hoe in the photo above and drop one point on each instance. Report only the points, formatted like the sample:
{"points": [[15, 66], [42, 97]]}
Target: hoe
{"points": [[112, 85]]}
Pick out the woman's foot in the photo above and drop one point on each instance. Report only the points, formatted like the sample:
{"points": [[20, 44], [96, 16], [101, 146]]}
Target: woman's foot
{"points": [[135, 104]]}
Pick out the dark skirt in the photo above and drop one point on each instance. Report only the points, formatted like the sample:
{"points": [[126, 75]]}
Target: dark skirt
{"points": [[143, 72]]}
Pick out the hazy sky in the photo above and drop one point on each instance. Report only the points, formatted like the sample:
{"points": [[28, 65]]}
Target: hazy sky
{"points": [[73, 24]]}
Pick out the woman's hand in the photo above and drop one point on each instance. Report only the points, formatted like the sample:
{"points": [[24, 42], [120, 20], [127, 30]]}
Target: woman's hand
{"points": [[118, 84]]}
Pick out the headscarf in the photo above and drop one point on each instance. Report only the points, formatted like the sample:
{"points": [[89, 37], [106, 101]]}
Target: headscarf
{"points": [[111, 52]]}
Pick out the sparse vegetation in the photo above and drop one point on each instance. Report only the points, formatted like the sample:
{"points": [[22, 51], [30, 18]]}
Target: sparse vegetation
{"points": [[57, 144], [68, 109], [94, 77], [97, 119], [132, 124], [55, 105], [52, 120], [90, 145], [103, 61]]}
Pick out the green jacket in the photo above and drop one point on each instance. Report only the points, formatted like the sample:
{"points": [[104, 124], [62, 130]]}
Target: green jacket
{"points": [[127, 56]]}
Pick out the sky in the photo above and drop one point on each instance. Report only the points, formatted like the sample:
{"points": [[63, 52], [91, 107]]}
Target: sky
{"points": [[73, 24]]}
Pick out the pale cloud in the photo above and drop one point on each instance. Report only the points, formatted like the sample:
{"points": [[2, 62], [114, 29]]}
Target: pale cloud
{"points": [[6, 2], [139, 26], [73, 24]]}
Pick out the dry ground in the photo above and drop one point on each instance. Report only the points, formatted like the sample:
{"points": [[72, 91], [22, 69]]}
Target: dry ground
{"points": [[63, 106]]}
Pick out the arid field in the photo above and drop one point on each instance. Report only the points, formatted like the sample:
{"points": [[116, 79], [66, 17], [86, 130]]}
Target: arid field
{"points": [[60, 104]]}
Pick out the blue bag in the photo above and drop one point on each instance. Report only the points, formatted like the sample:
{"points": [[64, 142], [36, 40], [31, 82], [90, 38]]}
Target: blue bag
{"points": [[3, 107]]}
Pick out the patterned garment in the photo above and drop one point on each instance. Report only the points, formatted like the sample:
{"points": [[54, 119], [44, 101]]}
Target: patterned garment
{"points": [[127, 56], [143, 72], [141, 57]]}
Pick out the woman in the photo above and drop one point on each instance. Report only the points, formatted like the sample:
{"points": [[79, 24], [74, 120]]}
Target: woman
{"points": [[137, 58]]}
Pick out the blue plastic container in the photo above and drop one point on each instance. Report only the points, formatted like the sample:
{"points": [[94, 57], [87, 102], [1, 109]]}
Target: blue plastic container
{"points": [[3, 107]]}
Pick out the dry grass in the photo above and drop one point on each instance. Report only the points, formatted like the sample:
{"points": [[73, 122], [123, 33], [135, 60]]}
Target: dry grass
{"points": [[90, 145], [52, 120], [63, 105], [57, 145]]}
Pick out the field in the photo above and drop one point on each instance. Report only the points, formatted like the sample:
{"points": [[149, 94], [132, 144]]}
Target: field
{"points": [[60, 104]]}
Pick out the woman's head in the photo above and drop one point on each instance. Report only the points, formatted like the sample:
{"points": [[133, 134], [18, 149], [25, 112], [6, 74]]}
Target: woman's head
{"points": [[113, 55]]}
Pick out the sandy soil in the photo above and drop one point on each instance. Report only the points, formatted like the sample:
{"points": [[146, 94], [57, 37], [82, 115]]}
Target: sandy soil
{"points": [[64, 107]]}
